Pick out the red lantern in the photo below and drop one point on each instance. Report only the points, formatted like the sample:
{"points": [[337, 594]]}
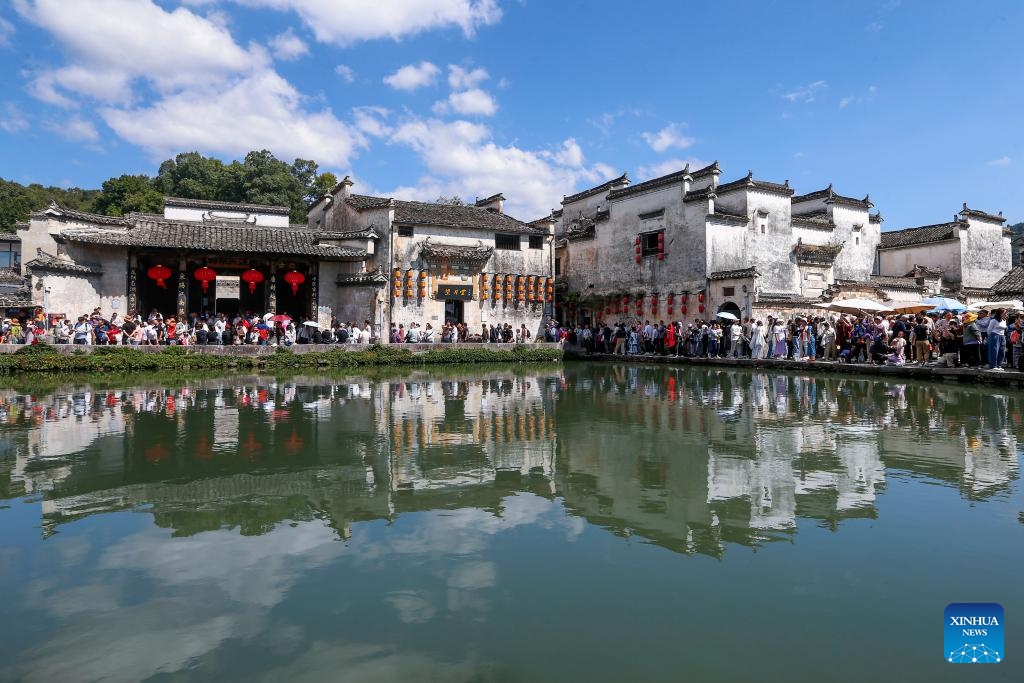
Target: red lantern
{"points": [[253, 277], [683, 309], [205, 276], [700, 309], [294, 278], [160, 274], [661, 246], [625, 300], [671, 298], [700, 297], [670, 311]]}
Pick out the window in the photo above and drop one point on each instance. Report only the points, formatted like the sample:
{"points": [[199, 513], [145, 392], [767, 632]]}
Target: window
{"points": [[405, 231], [764, 226], [856, 239], [728, 291], [649, 243], [510, 242], [558, 266], [536, 241]]}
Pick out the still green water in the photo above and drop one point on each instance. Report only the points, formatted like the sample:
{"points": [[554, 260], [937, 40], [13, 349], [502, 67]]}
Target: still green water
{"points": [[585, 523]]}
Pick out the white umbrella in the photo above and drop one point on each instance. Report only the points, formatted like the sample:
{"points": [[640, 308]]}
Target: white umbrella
{"points": [[725, 315], [909, 306], [310, 323], [858, 306], [1014, 304]]}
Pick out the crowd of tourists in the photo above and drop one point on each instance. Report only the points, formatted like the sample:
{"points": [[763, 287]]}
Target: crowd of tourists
{"points": [[246, 328], [982, 339], [460, 332]]}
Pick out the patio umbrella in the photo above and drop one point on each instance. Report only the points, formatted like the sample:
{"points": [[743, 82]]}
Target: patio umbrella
{"points": [[944, 303], [858, 306], [909, 306], [281, 318], [725, 315], [1012, 304], [310, 323]]}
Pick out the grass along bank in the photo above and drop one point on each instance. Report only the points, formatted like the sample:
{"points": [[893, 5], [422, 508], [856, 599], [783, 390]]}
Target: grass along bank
{"points": [[118, 359]]}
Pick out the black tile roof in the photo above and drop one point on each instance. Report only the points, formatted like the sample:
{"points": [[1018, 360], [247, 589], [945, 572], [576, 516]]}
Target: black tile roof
{"points": [[59, 212], [1011, 283], [734, 274], [706, 193], [653, 184], [875, 217], [21, 298], [603, 187], [10, 276], [706, 171], [376, 277], [895, 282], [925, 234], [233, 238], [925, 271], [49, 262], [728, 217], [446, 215], [12, 237], [819, 219], [361, 202], [488, 200], [816, 254], [984, 215], [751, 183], [433, 251], [210, 205], [829, 195]]}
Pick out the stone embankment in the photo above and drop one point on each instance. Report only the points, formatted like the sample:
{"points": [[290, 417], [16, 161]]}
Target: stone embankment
{"points": [[918, 372], [64, 358]]}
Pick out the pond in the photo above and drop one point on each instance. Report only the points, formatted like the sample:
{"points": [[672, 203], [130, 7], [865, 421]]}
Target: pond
{"points": [[585, 522]]}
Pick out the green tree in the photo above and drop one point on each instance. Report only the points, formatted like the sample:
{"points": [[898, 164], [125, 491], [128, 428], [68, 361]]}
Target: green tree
{"points": [[127, 193], [17, 201], [453, 200]]}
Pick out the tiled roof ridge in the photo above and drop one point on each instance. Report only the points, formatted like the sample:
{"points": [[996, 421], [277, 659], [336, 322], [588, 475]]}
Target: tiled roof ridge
{"points": [[749, 181], [47, 261], [922, 234], [217, 205], [652, 184], [737, 273], [978, 213], [583, 194], [1011, 283], [82, 215], [829, 194]]}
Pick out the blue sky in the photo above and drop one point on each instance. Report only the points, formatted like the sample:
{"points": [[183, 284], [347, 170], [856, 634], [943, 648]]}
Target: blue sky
{"points": [[916, 103]]}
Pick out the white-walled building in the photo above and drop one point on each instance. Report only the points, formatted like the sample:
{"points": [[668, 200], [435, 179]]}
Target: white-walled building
{"points": [[685, 245]]}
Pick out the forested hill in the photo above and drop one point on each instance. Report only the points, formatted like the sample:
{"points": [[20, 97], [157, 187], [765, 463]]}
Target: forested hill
{"points": [[260, 178]]}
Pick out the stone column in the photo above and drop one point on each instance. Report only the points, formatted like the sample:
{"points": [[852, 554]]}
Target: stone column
{"points": [[272, 290], [133, 287], [314, 289], [182, 289]]}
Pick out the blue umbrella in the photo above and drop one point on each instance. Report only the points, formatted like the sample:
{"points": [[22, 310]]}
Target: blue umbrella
{"points": [[943, 304]]}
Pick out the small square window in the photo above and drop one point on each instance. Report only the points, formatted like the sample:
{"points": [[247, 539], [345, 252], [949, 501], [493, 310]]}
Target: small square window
{"points": [[536, 241], [508, 242], [405, 231], [728, 291], [649, 243], [856, 239]]}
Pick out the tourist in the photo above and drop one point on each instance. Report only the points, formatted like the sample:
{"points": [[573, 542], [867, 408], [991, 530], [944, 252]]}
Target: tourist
{"points": [[971, 341], [899, 345], [828, 342], [780, 349], [996, 340], [735, 339], [758, 341]]}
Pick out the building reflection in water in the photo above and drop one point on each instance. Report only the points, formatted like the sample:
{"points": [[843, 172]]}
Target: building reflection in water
{"points": [[688, 460]]}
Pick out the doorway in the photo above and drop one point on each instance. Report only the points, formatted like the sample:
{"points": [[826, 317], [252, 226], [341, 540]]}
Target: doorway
{"points": [[452, 311]]}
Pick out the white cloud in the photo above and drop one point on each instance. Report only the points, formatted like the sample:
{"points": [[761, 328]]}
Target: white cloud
{"points": [[111, 43], [864, 98], [372, 121], [875, 27], [348, 22], [473, 102], [1001, 161], [346, 73], [13, 120], [76, 129], [661, 168], [462, 79], [288, 46], [671, 136], [413, 76], [6, 32], [259, 111], [805, 93], [461, 158]]}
